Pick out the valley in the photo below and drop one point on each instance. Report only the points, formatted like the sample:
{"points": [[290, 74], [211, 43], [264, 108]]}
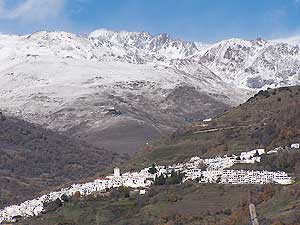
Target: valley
{"points": [[211, 170], [34, 159], [256, 115], [75, 106], [94, 86]]}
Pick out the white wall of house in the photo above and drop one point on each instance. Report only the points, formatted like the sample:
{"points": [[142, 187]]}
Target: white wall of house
{"points": [[217, 171]]}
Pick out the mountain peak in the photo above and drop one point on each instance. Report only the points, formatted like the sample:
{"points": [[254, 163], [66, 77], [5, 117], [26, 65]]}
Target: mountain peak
{"points": [[247, 63], [119, 35]]}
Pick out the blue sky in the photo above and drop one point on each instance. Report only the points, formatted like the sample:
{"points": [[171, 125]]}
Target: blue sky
{"points": [[195, 20]]}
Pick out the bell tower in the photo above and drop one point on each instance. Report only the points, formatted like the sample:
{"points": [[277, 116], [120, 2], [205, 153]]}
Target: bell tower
{"points": [[117, 172]]}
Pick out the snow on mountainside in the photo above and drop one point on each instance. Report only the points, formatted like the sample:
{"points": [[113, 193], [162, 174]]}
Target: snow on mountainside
{"points": [[294, 40], [121, 89], [143, 45], [254, 64]]}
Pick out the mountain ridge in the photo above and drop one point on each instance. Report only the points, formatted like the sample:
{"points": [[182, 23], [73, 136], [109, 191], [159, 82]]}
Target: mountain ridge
{"points": [[69, 83], [268, 120], [232, 56]]}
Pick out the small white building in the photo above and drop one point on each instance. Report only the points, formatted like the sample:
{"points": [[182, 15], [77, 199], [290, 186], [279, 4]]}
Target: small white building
{"points": [[142, 192], [251, 154], [217, 171], [296, 145], [254, 177]]}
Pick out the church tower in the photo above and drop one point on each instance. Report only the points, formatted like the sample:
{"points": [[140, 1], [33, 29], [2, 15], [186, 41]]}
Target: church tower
{"points": [[117, 172]]}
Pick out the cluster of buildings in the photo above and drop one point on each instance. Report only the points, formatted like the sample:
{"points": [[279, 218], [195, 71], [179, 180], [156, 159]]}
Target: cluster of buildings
{"points": [[136, 180], [254, 177], [295, 146], [211, 170], [217, 170]]}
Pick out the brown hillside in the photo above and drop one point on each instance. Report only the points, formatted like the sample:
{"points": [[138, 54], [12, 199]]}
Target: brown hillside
{"points": [[270, 118], [33, 159]]}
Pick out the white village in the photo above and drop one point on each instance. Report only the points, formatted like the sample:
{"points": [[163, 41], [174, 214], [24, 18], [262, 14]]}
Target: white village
{"points": [[217, 170]]}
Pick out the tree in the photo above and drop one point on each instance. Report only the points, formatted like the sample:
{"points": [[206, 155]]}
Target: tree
{"points": [[175, 178], [218, 180], [77, 194], [227, 211], [256, 154], [64, 198], [52, 206], [2, 117], [198, 179], [124, 191], [161, 180], [152, 169]]}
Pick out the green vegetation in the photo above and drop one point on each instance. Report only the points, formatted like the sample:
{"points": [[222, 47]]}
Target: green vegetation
{"points": [[174, 178], [124, 191], [160, 180], [153, 169]]}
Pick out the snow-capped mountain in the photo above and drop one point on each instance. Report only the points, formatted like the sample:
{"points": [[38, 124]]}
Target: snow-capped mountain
{"points": [[293, 40], [120, 89], [254, 64]]}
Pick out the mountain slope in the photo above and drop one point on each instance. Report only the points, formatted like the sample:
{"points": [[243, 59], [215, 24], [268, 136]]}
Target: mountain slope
{"points": [[33, 159], [110, 86], [267, 120], [74, 94], [254, 64], [53, 80]]}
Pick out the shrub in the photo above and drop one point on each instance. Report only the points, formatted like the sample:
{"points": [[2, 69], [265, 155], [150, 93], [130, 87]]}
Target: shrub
{"points": [[65, 198], [172, 198], [124, 191], [160, 180], [153, 169], [77, 194], [227, 212], [175, 178]]}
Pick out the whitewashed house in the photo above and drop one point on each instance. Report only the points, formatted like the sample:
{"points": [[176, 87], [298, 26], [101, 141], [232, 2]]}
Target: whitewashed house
{"points": [[296, 145], [216, 171]]}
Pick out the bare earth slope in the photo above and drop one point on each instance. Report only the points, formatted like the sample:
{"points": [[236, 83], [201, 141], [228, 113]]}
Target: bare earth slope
{"points": [[33, 159]]}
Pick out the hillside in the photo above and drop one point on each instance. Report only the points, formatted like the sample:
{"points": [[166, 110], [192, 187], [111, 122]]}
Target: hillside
{"points": [[108, 83], [189, 204], [34, 160], [116, 85], [269, 119]]}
